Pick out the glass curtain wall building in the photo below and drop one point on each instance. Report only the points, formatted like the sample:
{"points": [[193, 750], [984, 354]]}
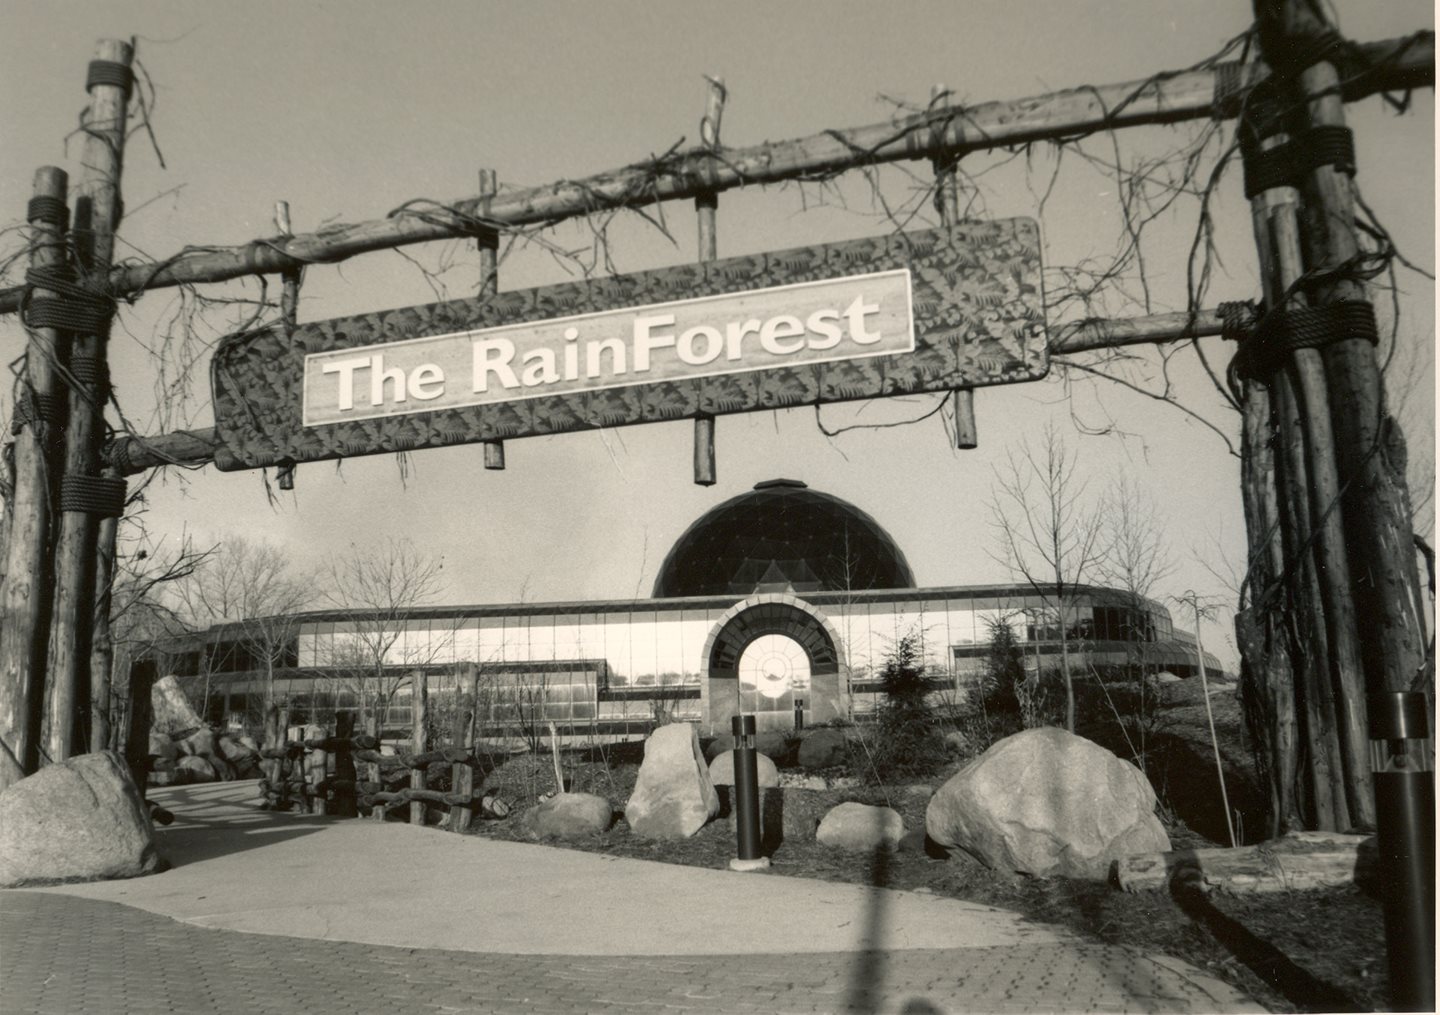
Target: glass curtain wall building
{"points": [[783, 601]]}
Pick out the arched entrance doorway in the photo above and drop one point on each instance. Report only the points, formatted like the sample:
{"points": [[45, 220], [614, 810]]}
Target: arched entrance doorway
{"points": [[776, 656], [774, 676]]}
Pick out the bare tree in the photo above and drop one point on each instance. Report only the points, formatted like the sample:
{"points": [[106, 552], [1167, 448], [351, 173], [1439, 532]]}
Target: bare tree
{"points": [[376, 588], [254, 589], [1049, 534], [1137, 560]]}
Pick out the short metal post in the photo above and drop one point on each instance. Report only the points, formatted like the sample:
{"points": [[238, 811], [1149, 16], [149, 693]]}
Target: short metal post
{"points": [[747, 797], [1405, 823], [799, 713]]}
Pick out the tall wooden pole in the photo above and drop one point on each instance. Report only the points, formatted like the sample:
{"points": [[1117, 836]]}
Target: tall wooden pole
{"points": [[97, 211], [947, 203], [705, 205], [24, 597], [488, 247], [1368, 440], [419, 699], [289, 314]]}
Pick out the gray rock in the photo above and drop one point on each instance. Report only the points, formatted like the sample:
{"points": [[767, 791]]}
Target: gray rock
{"points": [[244, 760], [823, 748], [722, 770], [162, 747], [171, 712], [673, 797], [193, 768], [568, 816], [204, 744], [78, 820], [773, 743], [1046, 802], [860, 828]]}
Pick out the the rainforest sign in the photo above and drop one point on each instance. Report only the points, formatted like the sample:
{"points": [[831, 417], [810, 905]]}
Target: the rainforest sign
{"points": [[907, 312]]}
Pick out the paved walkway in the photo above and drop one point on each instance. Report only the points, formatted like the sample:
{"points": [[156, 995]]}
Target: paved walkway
{"points": [[264, 912]]}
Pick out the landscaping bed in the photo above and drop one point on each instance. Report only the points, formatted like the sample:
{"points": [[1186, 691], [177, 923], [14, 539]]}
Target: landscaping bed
{"points": [[1293, 951]]}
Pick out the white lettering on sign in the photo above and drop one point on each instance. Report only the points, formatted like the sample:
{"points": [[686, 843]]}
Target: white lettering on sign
{"points": [[763, 329]]}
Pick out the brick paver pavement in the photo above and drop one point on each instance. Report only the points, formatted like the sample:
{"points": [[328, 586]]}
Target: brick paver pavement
{"points": [[65, 955]]}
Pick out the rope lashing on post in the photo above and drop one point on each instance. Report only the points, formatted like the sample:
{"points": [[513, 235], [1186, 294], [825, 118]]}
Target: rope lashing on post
{"points": [[51, 210], [77, 308], [1282, 331], [96, 495], [1285, 165], [1229, 94], [1237, 319], [108, 72], [92, 371], [33, 407]]}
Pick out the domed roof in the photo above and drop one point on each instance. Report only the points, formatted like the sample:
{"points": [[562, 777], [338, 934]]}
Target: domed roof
{"points": [[782, 537]]}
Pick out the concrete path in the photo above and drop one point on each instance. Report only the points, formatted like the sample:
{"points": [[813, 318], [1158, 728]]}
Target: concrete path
{"points": [[355, 915]]}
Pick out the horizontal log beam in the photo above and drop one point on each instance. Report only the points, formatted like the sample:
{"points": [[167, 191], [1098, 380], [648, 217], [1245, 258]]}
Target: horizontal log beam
{"points": [[192, 448], [944, 132], [1300, 860]]}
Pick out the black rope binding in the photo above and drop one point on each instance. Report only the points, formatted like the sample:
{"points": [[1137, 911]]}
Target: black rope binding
{"points": [[1237, 319], [1282, 331], [92, 371], [76, 308], [108, 72], [95, 495], [1286, 165], [1229, 94], [33, 407], [52, 210]]}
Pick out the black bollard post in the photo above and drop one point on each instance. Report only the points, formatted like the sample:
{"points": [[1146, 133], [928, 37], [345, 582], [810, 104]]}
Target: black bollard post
{"points": [[747, 797], [1405, 819]]}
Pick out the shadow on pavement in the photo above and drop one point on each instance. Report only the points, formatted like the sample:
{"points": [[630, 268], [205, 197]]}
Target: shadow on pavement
{"points": [[210, 824], [865, 990]]}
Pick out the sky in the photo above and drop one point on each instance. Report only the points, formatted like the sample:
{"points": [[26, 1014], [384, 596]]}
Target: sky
{"points": [[347, 110]]}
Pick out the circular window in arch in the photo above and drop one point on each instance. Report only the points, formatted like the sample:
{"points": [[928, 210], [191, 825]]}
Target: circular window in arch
{"points": [[771, 668]]}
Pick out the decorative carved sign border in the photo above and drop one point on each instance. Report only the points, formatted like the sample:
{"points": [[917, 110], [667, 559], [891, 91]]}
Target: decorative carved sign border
{"points": [[799, 327]]}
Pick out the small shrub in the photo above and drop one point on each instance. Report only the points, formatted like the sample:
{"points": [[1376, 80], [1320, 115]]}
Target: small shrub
{"points": [[908, 742]]}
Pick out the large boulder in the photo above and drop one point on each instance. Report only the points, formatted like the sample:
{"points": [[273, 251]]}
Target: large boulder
{"points": [[568, 816], [78, 820], [722, 770], [162, 748], [823, 748], [244, 758], [193, 768], [1046, 802], [673, 795], [860, 828], [171, 713]]}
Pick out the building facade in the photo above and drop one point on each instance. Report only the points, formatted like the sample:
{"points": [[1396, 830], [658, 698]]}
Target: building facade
{"points": [[783, 602]]}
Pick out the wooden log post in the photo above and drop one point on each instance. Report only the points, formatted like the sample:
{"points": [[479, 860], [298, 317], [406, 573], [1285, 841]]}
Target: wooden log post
{"points": [[462, 773], [85, 495], [488, 246], [102, 644], [1329, 682], [1368, 440], [419, 695], [947, 203], [289, 314], [372, 768], [283, 767], [137, 737], [705, 206], [272, 767], [25, 595], [343, 805]]}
